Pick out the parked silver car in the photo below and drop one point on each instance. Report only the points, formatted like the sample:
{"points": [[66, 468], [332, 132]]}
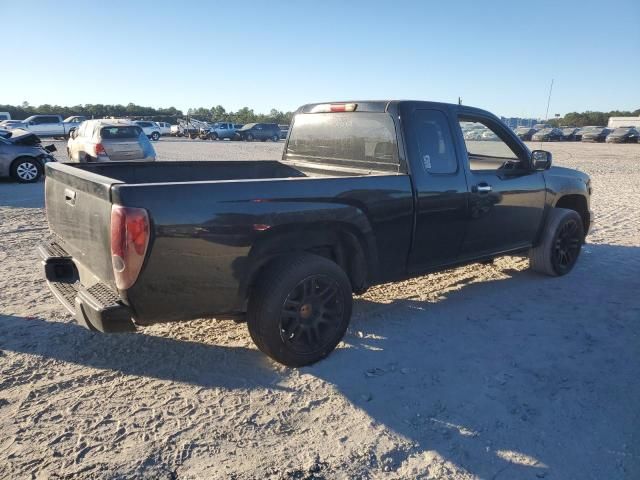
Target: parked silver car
{"points": [[106, 140], [22, 156]]}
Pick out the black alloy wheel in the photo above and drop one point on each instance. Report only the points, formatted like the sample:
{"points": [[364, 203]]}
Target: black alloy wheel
{"points": [[311, 315], [567, 245]]}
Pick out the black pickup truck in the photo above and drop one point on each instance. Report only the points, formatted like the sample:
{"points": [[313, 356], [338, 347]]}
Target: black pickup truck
{"points": [[366, 193]]}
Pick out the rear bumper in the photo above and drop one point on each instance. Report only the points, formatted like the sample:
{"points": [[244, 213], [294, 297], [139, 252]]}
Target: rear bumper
{"points": [[97, 307]]}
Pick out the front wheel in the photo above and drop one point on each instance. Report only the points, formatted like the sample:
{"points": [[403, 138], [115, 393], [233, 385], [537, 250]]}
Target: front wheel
{"points": [[300, 309], [26, 170], [561, 243], [249, 138], [276, 138]]}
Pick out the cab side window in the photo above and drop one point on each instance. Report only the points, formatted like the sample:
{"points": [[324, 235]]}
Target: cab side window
{"points": [[433, 139], [486, 150]]}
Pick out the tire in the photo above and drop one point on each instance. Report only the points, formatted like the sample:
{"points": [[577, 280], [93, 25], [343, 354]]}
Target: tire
{"points": [[299, 309], [276, 138], [155, 136], [249, 137], [561, 243], [26, 170], [214, 136]]}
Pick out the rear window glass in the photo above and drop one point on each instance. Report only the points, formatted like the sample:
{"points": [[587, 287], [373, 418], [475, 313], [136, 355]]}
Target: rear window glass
{"points": [[119, 132], [363, 140]]}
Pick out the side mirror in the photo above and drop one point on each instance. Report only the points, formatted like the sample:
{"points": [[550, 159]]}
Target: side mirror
{"points": [[540, 160]]}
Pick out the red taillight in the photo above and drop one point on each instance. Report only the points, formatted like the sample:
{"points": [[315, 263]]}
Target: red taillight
{"points": [[100, 149], [129, 241]]}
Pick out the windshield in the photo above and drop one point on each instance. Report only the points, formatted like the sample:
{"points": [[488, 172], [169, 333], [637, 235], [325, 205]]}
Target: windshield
{"points": [[248, 126], [347, 138], [113, 133]]}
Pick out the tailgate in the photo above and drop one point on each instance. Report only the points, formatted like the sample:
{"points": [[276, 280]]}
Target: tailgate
{"points": [[78, 205]]}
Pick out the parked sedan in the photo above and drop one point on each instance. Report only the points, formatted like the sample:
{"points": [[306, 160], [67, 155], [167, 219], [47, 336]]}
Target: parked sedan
{"points": [[547, 135], [259, 131], [595, 134], [571, 134], [22, 156], [109, 140], [624, 135], [525, 133]]}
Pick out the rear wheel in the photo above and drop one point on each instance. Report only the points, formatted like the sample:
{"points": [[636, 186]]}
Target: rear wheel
{"points": [[300, 309], [155, 136], [276, 138], [561, 243], [26, 170]]}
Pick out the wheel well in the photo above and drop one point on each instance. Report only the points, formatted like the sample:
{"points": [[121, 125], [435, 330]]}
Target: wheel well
{"points": [[577, 203], [338, 244]]}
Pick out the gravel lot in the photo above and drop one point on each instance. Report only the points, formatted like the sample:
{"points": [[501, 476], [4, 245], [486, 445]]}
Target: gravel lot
{"points": [[485, 371]]}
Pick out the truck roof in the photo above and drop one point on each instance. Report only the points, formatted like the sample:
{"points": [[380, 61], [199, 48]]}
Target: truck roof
{"points": [[385, 105]]}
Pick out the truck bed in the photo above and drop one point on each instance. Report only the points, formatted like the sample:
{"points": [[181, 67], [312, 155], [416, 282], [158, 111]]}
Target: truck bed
{"points": [[208, 221], [190, 171]]}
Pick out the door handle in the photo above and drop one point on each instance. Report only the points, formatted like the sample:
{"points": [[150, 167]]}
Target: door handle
{"points": [[483, 188]]}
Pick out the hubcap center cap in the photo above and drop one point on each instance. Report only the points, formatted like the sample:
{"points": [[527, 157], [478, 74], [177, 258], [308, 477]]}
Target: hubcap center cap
{"points": [[306, 310]]}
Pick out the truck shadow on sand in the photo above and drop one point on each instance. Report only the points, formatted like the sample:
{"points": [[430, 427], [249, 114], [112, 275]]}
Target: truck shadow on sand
{"points": [[139, 354], [524, 377], [510, 378]]}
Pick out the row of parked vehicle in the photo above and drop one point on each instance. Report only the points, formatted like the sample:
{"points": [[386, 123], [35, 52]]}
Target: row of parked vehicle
{"points": [[228, 130], [56, 126], [23, 156], [575, 134]]}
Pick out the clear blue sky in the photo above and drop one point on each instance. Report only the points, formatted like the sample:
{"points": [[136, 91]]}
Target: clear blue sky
{"points": [[499, 55]]}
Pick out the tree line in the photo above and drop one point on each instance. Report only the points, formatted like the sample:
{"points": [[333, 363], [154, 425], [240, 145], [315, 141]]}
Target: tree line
{"points": [[591, 118], [171, 114], [244, 115]]}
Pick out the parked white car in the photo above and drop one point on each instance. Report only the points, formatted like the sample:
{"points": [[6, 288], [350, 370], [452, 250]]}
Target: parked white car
{"points": [[107, 140], [150, 129], [165, 128]]}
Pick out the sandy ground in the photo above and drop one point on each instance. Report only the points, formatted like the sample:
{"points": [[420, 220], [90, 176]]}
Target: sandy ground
{"points": [[479, 372]]}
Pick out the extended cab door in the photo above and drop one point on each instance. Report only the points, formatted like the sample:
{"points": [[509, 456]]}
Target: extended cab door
{"points": [[440, 187], [506, 197]]}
